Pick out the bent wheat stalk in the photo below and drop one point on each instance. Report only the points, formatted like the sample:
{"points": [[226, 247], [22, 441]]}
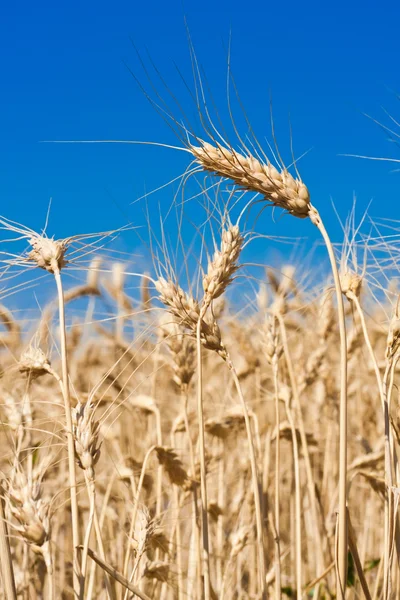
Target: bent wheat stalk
{"points": [[281, 189]]}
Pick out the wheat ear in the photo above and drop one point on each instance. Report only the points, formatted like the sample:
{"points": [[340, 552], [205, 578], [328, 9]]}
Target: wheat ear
{"points": [[279, 188]]}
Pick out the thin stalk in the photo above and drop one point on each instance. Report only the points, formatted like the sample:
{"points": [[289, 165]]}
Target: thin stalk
{"points": [[192, 565], [306, 453], [266, 464], [220, 520], [93, 520], [178, 544], [388, 484], [225, 578], [27, 411], [70, 438], [175, 535], [46, 553], [203, 483], [367, 340], [385, 400], [134, 513], [195, 515], [357, 561], [117, 576], [255, 483], [377, 589], [86, 546], [98, 527], [157, 415], [156, 365], [135, 508], [343, 525], [278, 591], [6, 567], [296, 464]]}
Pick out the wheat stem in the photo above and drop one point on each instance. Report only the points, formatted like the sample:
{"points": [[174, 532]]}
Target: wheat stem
{"points": [[304, 444], [389, 485], [342, 526], [69, 430], [278, 592], [86, 546], [195, 515], [134, 513], [203, 483], [255, 483], [7, 572]]}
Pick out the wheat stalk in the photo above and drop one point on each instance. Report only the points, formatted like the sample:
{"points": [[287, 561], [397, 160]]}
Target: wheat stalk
{"points": [[282, 190]]}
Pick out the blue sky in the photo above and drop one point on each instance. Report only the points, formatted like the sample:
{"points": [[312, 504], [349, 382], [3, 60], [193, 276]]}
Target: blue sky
{"points": [[64, 76]]}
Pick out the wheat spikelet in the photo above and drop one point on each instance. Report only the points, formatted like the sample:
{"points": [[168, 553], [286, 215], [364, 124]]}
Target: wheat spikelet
{"points": [[270, 342], [313, 366], [29, 508], [393, 338], [13, 411], [187, 310], [248, 173], [215, 511], [143, 531], [221, 269], [158, 540], [211, 338], [326, 316], [285, 432], [180, 304], [173, 466], [376, 481], [34, 362], [371, 459], [86, 434], [182, 351], [351, 284], [158, 570], [354, 341], [225, 425], [239, 539], [48, 253]]}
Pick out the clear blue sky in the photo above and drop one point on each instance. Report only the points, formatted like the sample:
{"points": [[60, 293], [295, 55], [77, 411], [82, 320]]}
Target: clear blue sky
{"points": [[64, 76]]}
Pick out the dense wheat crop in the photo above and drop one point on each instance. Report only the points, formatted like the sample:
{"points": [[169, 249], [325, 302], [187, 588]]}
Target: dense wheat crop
{"points": [[224, 435]]}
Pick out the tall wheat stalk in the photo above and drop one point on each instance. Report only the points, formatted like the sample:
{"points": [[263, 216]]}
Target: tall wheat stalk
{"points": [[7, 572], [282, 190], [69, 429], [203, 473]]}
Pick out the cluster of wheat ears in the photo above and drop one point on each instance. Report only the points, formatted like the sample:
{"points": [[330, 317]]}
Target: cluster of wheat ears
{"points": [[170, 448]]}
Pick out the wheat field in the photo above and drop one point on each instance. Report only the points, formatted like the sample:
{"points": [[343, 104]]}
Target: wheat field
{"points": [[209, 435]]}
